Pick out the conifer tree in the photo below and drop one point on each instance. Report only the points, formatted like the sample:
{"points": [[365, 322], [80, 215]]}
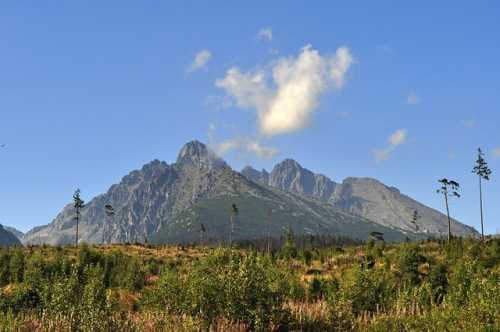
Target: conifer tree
{"points": [[483, 172], [449, 188], [78, 204]]}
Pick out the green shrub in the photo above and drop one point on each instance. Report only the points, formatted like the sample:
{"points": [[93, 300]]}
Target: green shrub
{"points": [[365, 290], [439, 282], [408, 262]]}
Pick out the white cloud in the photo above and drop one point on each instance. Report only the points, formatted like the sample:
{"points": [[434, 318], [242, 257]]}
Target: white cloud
{"points": [[496, 152], [297, 84], [200, 60], [245, 146], [260, 151], [265, 34], [412, 99], [396, 139]]}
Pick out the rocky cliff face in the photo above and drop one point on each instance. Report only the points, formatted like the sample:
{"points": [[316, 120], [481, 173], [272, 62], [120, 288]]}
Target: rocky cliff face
{"points": [[17, 233], [364, 197], [387, 206], [7, 238], [290, 176], [170, 203], [142, 201]]}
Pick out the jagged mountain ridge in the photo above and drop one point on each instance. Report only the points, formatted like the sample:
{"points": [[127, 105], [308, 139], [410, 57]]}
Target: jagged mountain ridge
{"points": [[168, 203], [7, 238], [365, 197]]}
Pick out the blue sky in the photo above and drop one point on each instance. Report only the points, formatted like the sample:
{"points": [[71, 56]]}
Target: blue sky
{"points": [[91, 90]]}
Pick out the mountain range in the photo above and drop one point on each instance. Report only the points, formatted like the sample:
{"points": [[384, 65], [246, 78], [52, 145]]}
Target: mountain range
{"points": [[7, 238], [191, 200]]}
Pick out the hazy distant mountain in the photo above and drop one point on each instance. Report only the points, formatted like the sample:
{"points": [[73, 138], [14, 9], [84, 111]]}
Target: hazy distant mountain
{"points": [[364, 197], [170, 203], [17, 233], [7, 238]]}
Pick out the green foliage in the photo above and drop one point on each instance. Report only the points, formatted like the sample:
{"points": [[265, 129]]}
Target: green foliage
{"points": [[408, 262], [429, 286], [365, 290], [239, 288], [289, 250]]}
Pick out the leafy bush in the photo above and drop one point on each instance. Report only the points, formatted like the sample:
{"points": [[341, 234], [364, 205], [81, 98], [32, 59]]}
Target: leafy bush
{"points": [[408, 262]]}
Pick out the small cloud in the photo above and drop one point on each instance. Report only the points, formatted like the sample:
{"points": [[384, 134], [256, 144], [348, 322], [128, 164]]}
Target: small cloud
{"points": [[200, 60], [496, 152], [412, 99], [244, 145], [399, 137], [265, 34], [471, 123]]}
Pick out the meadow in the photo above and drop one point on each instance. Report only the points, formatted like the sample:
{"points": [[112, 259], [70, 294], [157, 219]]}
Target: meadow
{"points": [[431, 285]]}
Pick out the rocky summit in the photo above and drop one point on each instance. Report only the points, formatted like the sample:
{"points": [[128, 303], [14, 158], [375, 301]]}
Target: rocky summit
{"points": [[191, 200]]}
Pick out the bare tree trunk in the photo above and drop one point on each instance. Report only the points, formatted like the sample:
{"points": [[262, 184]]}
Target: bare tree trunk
{"points": [[481, 207], [448, 214], [231, 220], [77, 219], [268, 232]]}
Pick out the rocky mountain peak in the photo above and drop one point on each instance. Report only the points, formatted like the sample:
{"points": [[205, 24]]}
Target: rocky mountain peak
{"points": [[197, 154], [254, 175], [288, 164], [291, 176]]}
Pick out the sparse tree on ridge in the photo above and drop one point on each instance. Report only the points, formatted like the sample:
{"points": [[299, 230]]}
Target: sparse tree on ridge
{"points": [[78, 204], [110, 213], [203, 231], [414, 220], [483, 172], [449, 188], [234, 214]]}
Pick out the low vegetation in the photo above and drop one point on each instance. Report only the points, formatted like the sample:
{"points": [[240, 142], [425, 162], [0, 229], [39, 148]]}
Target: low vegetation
{"points": [[426, 286]]}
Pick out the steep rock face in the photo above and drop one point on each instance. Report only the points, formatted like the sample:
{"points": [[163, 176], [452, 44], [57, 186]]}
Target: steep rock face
{"points": [[140, 200], [254, 175], [172, 203], [168, 203], [290, 176], [364, 197], [143, 200], [17, 233], [7, 238], [387, 206]]}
